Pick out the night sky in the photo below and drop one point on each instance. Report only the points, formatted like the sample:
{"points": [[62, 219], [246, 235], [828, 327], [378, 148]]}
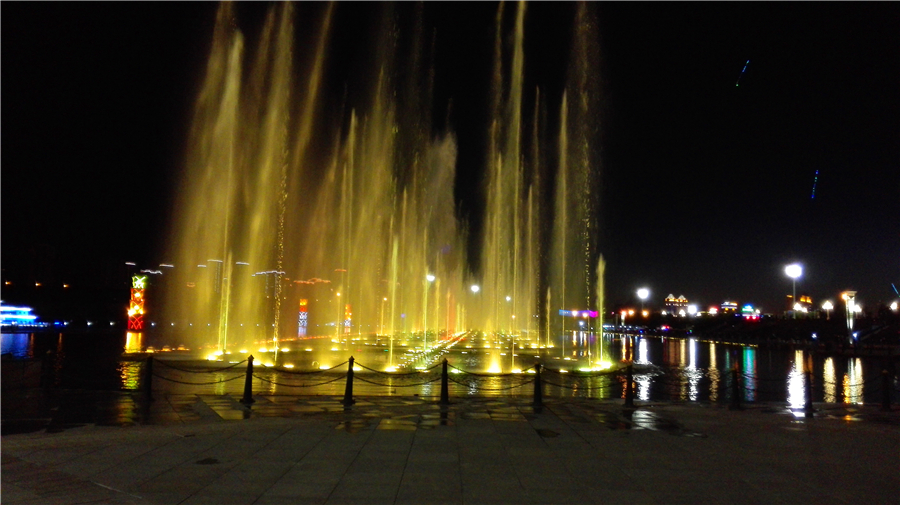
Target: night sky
{"points": [[706, 186]]}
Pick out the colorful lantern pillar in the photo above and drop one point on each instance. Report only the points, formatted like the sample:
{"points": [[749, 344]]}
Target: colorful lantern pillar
{"points": [[136, 307]]}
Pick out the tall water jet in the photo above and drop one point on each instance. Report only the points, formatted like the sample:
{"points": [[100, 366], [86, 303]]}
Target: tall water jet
{"points": [[295, 191], [574, 236], [509, 256]]}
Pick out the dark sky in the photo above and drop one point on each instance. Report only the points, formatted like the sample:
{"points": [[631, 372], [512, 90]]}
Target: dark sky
{"points": [[706, 187]]}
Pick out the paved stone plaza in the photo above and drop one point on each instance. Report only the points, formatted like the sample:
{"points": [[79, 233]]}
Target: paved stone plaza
{"points": [[207, 449]]}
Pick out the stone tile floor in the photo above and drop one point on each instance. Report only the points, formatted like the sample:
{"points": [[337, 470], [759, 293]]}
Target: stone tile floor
{"points": [[94, 447]]}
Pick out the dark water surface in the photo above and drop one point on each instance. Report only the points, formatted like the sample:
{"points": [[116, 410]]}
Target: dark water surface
{"points": [[667, 369]]}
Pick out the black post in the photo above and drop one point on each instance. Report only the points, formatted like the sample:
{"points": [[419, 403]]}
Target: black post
{"points": [[348, 390], [885, 390], [148, 378], [248, 383], [538, 387], [735, 389], [808, 408], [629, 386], [445, 394]]}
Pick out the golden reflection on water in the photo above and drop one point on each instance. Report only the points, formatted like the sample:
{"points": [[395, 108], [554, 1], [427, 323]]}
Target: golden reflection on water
{"points": [[853, 382], [134, 341], [130, 374], [796, 386], [829, 383], [714, 376]]}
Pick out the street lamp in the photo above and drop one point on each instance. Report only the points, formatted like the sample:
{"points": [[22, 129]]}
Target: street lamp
{"points": [[475, 288], [643, 293], [793, 271], [827, 307]]}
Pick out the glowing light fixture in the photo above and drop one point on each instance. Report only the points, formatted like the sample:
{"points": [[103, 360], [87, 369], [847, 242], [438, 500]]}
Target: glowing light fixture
{"points": [[793, 271]]}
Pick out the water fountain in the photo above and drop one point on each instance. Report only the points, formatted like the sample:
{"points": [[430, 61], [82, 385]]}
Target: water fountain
{"points": [[286, 197]]}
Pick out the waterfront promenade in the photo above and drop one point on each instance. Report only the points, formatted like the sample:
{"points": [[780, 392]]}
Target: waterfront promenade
{"points": [[67, 447]]}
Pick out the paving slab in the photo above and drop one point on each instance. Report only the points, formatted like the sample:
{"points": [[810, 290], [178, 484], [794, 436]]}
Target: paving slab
{"points": [[397, 450]]}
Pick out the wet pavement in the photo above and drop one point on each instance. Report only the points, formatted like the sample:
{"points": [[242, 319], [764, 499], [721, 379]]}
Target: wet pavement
{"points": [[66, 447]]}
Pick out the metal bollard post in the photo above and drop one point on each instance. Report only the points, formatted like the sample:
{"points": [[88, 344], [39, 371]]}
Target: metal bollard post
{"points": [[885, 390], [148, 378], [808, 408], [735, 389], [538, 387], [348, 390], [629, 386], [445, 394], [248, 383]]}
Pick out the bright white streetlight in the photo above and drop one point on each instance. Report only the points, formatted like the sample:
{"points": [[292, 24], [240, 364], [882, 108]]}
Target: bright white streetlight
{"points": [[643, 293], [793, 271], [894, 306], [827, 307], [475, 288], [692, 309]]}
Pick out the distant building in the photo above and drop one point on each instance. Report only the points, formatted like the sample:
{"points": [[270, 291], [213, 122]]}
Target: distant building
{"points": [[676, 305], [729, 307]]}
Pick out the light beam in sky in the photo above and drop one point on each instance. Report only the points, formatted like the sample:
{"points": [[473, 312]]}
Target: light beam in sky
{"points": [[738, 83]]}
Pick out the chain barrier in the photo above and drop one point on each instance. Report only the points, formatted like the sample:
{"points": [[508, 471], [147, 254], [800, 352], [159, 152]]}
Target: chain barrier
{"points": [[398, 385], [470, 386], [869, 383], [578, 373], [586, 386], [489, 374], [573, 380], [198, 383], [208, 370], [309, 372], [398, 374], [341, 377]]}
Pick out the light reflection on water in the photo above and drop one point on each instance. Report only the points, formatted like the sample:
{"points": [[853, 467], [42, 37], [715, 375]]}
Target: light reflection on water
{"points": [[18, 345], [853, 382], [688, 369], [796, 386]]}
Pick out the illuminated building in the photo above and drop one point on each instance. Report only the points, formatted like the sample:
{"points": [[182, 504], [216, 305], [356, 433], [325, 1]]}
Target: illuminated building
{"points": [[302, 318], [136, 307], [748, 312], [729, 307], [675, 305]]}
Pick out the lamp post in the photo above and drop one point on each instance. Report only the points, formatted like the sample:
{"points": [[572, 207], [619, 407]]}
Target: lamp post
{"points": [[643, 293], [827, 307], [793, 271]]}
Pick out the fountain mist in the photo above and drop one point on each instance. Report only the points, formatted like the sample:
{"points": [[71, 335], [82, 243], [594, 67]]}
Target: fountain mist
{"points": [[286, 198]]}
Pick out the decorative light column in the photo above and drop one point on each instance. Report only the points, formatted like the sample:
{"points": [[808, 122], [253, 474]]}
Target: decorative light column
{"points": [[136, 307]]}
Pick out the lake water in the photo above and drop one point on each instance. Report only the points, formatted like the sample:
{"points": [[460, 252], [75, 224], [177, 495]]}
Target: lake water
{"points": [[666, 369]]}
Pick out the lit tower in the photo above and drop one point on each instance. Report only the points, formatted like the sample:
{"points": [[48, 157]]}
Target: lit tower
{"points": [[302, 318], [136, 307]]}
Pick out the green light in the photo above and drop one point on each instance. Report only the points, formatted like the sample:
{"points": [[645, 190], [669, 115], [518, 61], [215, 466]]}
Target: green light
{"points": [[138, 281]]}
